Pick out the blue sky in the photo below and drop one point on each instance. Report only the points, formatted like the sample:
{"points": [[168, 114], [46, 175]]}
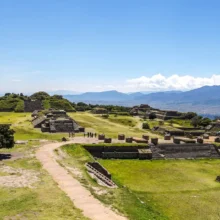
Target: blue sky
{"points": [[96, 45]]}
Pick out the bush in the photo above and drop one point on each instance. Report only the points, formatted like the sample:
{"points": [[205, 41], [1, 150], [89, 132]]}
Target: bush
{"points": [[152, 115], [145, 125], [40, 96], [188, 115], [6, 136], [19, 107]]}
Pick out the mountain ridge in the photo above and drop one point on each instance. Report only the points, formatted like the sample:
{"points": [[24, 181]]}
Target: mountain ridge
{"points": [[203, 97]]}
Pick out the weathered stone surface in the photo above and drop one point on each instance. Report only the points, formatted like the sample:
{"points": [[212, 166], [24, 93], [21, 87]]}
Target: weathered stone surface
{"points": [[107, 140], [129, 140], [121, 137], [176, 141], [154, 141], [32, 105], [145, 154], [101, 137], [200, 140], [167, 137], [217, 139], [140, 140], [206, 136], [186, 151], [145, 136]]}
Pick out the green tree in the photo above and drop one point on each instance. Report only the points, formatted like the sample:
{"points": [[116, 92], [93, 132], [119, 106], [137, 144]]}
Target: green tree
{"points": [[145, 125], [40, 96], [6, 136], [205, 122], [195, 121], [189, 115], [152, 115]]}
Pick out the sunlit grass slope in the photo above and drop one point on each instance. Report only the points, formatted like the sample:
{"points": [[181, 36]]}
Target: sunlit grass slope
{"points": [[179, 189]]}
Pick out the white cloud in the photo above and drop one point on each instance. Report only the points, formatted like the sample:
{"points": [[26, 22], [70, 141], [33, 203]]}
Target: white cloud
{"points": [[159, 82]]}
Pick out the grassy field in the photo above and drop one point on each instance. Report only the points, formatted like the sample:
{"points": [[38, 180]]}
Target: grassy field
{"points": [[21, 123], [179, 189], [44, 201], [163, 189], [122, 198], [112, 126]]}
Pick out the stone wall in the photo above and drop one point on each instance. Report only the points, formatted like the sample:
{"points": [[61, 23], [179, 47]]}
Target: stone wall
{"points": [[185, 151], [30, 105], [120, 155]]}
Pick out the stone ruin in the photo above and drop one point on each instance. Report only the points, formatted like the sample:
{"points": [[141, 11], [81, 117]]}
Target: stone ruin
{"points": [[121, 137], [163, 114], [120, 152], [100, 173], [32, 105], [186, 151], [217, 139], [56, 121]]}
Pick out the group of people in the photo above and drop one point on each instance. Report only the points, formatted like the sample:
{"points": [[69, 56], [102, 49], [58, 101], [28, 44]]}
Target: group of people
{"points": [[90, 135], [71, 134]]}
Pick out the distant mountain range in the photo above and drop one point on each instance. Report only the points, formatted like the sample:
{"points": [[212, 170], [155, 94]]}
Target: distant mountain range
{"points": [[204, 100]]}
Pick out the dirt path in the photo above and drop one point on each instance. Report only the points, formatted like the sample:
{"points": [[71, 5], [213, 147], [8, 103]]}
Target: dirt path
{"points": [[81, 197]]}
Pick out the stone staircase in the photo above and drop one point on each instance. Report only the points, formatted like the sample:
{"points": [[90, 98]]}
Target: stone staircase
{"points": [[100, 176]]}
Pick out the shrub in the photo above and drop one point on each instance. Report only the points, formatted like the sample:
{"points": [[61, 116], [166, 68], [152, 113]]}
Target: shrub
{"points": [[19, 107], [152, 115], [145, 125], [6, 136]]}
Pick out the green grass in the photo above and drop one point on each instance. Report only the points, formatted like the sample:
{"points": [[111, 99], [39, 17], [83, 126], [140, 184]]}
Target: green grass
{"points": [[21, 123], [180, 123], [123, 120], [97, 124], [122, 198], [179, 189], [44, 201]]}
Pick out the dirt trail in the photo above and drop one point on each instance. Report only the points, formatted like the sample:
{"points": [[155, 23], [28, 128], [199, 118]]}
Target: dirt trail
{"points": [[81, 197]]}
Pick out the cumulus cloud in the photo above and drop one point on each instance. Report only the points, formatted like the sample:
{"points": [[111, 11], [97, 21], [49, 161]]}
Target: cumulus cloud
{"points": [[159, 82]]}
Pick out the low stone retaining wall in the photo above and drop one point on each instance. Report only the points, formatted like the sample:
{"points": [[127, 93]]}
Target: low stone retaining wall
{"points": [[185, 151], [120, 155], [118, 152]]}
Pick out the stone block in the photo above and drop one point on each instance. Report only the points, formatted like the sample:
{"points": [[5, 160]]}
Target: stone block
{"points": [[217, 139], [121, 137], [206, 136], [200, 140], [101, 137], [107, 140], [167, 137], [154, 141], [129, 140], [146, 137]]}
